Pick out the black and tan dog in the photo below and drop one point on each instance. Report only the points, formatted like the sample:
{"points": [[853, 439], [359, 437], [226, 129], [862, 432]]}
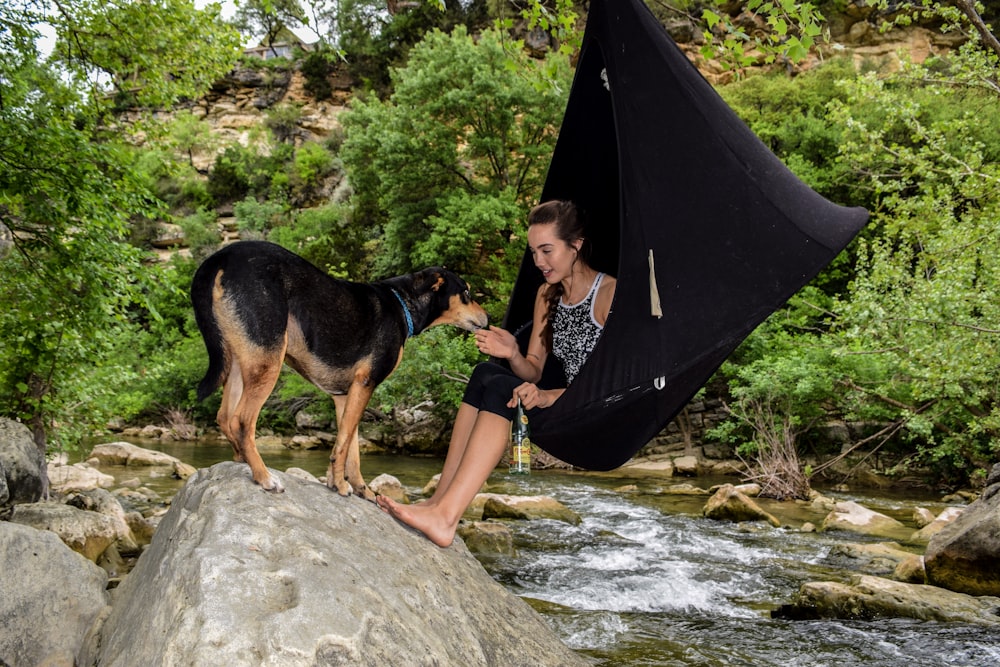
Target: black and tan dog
{"points": [[258, 305]]}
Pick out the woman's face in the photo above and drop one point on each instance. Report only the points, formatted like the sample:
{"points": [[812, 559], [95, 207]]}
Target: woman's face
{"points": [[553, 256]]}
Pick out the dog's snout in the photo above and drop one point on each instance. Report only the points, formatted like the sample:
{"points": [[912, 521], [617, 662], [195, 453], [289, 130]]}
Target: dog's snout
{"points": [[480, 318]]}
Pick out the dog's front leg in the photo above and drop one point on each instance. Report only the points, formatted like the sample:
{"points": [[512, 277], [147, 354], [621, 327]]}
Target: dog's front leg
{"points": [[350, 408], [353, 471]]}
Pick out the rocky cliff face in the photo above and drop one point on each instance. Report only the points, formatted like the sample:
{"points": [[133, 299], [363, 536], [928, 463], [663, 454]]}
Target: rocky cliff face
{"points": [[236, 106]]}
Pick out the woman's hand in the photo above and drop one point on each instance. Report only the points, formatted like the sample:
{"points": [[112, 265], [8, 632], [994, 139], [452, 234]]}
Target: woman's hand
{"points": [[496, 342], [533, 397]]}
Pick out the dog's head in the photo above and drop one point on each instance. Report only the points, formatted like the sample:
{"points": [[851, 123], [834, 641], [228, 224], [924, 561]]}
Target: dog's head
{"points": [[448, 299]]}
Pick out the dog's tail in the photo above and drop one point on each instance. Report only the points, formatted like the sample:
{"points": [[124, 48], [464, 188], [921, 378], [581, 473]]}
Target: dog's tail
{"points": [[201, 299]]}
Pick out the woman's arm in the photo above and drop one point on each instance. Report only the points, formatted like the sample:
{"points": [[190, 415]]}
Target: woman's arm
{"points": [[605, 295], [500, 343]]}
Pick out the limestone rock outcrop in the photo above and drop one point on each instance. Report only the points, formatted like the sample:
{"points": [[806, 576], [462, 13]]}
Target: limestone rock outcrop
{"points": [[855, 518], [85, 532], [502, 506], [729, 504]]}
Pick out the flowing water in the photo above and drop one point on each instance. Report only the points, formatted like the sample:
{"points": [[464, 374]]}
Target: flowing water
{"points": [[645, 580]]}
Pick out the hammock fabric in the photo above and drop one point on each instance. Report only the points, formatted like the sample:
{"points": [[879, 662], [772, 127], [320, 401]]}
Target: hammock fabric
{"points": [[704, 227]]}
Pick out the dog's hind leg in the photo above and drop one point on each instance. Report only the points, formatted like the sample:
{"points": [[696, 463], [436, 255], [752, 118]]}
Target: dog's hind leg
{"points": [[232, 391], [350, 408], [258, 378]]}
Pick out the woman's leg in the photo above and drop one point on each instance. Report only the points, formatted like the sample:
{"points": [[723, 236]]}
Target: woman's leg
{"points": [[486, 444], [460, 433], [489, 382]]}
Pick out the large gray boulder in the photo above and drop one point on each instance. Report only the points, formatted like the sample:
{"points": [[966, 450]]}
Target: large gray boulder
{"points": [[21, 463], [964, 555], [238, 576], [50, 597], [102, 502], [65, 479]]}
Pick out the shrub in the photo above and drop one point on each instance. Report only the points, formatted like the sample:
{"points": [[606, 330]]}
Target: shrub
{"points": [[315, 68], [201, 232], [229, 179], [258, 216], [283, 121]]}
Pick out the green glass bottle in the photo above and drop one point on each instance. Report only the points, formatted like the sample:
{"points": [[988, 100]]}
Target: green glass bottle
{"points": [[520, 443]]}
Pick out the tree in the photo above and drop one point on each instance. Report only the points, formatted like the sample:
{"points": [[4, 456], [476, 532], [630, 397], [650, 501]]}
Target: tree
{"points": [[189, 133], [69, 190], [923, 300], [760, 31], [119, 47], [458, 152], [269, 18], [373, 40], [911, 343]]}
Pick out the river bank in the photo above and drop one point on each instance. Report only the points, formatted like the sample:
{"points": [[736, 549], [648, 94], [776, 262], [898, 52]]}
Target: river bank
{"points": [[646, 579]]}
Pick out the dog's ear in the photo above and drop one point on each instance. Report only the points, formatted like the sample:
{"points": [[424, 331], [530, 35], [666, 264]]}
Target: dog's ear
{"points": [[429, 280]]}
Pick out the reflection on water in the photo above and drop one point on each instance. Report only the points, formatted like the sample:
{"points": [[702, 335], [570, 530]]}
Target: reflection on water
{"points": [[645, 580]]}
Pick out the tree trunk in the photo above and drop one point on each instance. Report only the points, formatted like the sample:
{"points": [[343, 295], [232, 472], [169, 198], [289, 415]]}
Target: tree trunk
{"points": [[37, 388]]}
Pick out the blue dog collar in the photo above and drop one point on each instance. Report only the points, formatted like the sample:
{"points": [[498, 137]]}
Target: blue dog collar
{"points": [[406, 313]]}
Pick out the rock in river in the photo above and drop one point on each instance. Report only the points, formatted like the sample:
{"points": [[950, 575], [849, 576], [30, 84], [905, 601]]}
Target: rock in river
{"points": [[965, 555], [869, 597]]}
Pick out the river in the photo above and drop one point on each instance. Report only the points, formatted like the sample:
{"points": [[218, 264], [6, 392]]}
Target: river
{"points": [[646, 580]]}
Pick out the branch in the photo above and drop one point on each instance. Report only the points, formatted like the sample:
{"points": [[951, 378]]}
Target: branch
{"points": [[850, 384], [968, 7], [934, 323], [885, 434], [464, 379]]}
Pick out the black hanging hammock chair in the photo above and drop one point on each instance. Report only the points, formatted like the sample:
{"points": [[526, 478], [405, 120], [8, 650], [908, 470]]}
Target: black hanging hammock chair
{"points": [[704, 227]]}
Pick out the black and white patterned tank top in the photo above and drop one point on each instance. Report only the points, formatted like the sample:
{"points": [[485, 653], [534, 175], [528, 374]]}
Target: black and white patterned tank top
{"points": [[575, 331]]}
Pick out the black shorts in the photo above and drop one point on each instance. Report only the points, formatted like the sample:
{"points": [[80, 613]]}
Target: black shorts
{"points": [[491, 387]]}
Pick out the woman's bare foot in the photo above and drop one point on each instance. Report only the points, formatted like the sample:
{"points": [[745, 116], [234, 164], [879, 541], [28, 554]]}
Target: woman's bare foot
{"points": [[427, 519]]}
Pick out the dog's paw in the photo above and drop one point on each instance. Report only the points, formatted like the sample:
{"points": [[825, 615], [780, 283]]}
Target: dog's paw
{"points": [[344, 488], [366, 493], [272, 485]]}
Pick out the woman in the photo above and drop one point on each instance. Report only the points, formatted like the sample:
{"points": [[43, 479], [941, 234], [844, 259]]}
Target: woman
{"points": [[571, 308]]}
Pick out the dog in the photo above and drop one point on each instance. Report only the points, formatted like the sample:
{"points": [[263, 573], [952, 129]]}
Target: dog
{"points": [[258, 305]]}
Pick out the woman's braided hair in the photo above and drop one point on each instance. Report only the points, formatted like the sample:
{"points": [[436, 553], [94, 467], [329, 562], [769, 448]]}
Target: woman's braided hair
{"points": [[569, 227]]}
